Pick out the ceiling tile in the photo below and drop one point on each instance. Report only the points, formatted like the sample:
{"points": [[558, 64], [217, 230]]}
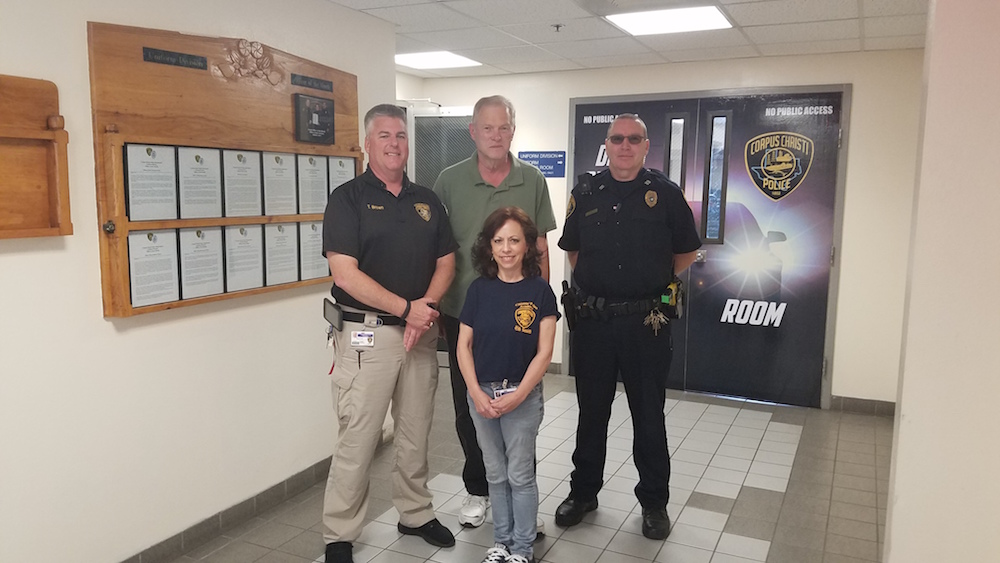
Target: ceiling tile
{"points": [[597, 48], [517, 54], [484, 70], [493, 12], [811, 47], [794, 32], [694, 40], [792, 11], [369, 4], [540, 66], [895, 25], [871, 8], [621, 60], [406, 44], [574, 30], [469, 38], [712, 54], [423, 17], [414, 72], [902, 42]]}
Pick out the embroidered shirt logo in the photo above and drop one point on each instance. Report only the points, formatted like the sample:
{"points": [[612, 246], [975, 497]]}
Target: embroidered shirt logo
{"points": [[423, 210], [524, 316]]}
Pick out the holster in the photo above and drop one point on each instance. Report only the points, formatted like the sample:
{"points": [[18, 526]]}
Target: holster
{"points": [[571, 306]]}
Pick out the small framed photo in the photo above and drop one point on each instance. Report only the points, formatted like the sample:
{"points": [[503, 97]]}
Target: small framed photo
{"points": [[313, 119]]}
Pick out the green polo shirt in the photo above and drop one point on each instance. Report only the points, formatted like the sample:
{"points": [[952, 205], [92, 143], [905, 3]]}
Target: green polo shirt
{"points": [[469, 200]]}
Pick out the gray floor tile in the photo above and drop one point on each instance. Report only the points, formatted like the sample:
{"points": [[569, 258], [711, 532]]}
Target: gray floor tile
{"points": [[811, 476], [782, 553], [237, 552], [271, 535], [749, 527], [854, 469], [279, 557], [307, 544], [711, 502], [853, 529], [799, 537], [804, 503], [853, 496], [806, 489], [856, 512], [803, 519], [851, 547], [852, 482]]}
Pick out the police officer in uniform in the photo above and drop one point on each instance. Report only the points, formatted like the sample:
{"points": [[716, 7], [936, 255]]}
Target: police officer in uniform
{"points": [[628, 232]]}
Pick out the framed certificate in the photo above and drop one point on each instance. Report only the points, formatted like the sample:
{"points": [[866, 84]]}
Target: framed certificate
{"points": [[152, 267], [151, 177], [313, 119], [312, 183], [201, 262], [199, 173], [314, 264], [341, 171], [244, 257], [242, 183], [279, 184], [281, 253]]}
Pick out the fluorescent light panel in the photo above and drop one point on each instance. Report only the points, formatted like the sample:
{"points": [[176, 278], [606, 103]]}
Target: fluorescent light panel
{"points": [[434, 59], [677, 20]]}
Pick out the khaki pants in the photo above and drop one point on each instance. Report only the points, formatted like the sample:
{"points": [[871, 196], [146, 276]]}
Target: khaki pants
{"points": [[362, 396]]}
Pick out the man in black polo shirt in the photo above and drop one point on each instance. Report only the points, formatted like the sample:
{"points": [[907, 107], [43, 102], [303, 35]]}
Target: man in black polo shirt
{"points": [[628, 232], [392, 255]]}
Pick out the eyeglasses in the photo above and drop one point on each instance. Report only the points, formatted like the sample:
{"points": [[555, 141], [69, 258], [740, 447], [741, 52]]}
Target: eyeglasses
{"points": [[632, 139]]}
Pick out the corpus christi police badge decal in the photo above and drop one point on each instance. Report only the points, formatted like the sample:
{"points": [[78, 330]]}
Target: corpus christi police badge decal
{"points": [[524, 315], [423, 210], [778, 162]]}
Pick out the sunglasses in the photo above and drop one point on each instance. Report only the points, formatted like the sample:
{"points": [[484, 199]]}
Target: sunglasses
{"points": [[632, 139]]}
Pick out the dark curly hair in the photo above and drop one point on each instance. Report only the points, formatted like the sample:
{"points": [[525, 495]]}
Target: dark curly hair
{"points": [[482, 250]]}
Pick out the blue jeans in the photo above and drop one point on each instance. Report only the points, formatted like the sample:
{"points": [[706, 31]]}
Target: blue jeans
{"points": [[508, 445]]}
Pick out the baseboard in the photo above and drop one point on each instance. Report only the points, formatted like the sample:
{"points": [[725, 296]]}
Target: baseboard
{"points": [[862, 406], [195, 536]]}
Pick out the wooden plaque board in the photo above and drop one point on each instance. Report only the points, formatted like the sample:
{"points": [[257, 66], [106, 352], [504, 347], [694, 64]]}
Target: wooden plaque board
{"points": [[34, 182], [165, 88]]}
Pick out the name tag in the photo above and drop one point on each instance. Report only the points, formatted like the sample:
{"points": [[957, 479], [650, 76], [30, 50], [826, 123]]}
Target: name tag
{"points": [[362, 338]]}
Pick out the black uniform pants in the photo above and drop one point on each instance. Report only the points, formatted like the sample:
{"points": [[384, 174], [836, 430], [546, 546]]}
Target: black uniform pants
{"points": [[474, 473], [601, 349]]}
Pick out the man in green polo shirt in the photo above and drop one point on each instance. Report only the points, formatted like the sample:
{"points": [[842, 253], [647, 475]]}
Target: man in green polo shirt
{"points": [[471, 190]]}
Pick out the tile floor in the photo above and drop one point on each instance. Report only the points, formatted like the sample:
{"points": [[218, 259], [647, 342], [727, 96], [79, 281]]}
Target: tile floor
{"points": [[750, 483]]}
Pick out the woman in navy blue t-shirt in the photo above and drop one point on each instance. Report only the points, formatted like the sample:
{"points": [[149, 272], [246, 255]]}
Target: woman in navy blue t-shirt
{"points": [[505, 340]]}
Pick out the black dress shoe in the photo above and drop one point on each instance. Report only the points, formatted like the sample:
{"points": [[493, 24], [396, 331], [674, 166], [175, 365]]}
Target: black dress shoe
{"points": [[433, 533], [655, 523], [571, 511], [339, 552]]}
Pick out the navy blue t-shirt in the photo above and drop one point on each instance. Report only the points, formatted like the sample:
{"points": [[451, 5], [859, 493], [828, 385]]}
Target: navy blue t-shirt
{"points": [[505, 320]]}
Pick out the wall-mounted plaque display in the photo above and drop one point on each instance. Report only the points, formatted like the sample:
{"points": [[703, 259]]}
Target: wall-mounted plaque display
{"points": [[199, 179], [312, 184], [281, 253], [313, 119], [244, 257], [241, 183], [314, 264], [341, 171], [152, 261], [152, 182], [279, 184], [201, 262]]}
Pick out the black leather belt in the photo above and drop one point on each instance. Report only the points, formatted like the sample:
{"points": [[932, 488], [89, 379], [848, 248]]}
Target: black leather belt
{"points": [[387, 320], [599, 307]]}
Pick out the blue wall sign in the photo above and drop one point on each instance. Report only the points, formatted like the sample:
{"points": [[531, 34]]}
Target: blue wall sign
{"points": [[551, 163]]}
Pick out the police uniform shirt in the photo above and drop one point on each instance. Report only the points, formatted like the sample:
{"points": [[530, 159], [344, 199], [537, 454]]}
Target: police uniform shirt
{"points": [[505, 320], [396, 240], [627, 233]]}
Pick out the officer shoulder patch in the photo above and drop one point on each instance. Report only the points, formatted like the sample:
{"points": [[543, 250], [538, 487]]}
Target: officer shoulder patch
{"points": [[423, 210], [651, 198], [571, 206]]}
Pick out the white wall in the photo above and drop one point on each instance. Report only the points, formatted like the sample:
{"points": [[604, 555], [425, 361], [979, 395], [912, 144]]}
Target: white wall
{"points": [[118, 433], [944, 490], [881, 162]]}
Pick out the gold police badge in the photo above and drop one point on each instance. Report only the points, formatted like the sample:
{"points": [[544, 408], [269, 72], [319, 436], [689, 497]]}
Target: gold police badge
{"points": [[524, 315], [571, 206], [651, 198], [778, 162], [423, 210]]}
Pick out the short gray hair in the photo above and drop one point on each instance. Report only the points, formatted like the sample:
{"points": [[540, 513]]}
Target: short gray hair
{"points": [[496, 100], [383, 110], [633, 117]]}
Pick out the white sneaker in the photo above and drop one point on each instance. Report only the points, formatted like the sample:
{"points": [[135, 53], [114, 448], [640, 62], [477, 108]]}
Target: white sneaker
{"points": [[519, 559], [539, 529], [497, 554], [473, 512]]}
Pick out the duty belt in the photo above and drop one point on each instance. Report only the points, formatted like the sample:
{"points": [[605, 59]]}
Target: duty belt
{"points": [[599, 307], [387, 320]]}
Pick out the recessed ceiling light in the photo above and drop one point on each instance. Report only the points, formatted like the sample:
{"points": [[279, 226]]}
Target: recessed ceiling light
{"points": [[677, 20], [434, 59]]}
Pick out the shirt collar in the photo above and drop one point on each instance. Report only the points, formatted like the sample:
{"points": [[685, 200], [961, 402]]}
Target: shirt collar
{"points": [[514, 178]]}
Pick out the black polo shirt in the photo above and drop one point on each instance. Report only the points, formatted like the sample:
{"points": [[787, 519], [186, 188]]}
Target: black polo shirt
{"points": [[396, 240], [627, 233]]}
